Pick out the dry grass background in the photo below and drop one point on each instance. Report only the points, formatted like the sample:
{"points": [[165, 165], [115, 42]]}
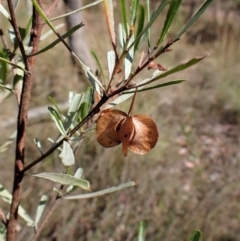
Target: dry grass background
{"points": [[189, 180]]}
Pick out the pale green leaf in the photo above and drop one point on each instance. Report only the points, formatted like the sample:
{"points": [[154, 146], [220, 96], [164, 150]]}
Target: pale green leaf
{"points": [[78, 174], [38, 144], [57, 119], [100, 193], [133, 11], [4, 12], [64, 179], [124, 16], [141, 231], [77, 10], [129, 58], [195, 17], [67, 155], [111, 58], [51, 45], [40, 209], [7, 197]]}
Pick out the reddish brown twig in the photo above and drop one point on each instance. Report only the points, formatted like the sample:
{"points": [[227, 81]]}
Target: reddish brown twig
{"points": [[22, 113]]}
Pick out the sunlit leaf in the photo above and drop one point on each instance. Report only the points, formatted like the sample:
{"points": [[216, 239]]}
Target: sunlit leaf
{"points": [[133, 11], [77, 10], [100, 193], [64, 179], [67, 155], [129, 59], [108, 9], [4, 12], [172, 11], [140, 25], [72, 111], [152, 20], [51, 45], [50, 32], [141, 231], [111, 58], [178, 68], [40, 209], [86, 103], [148, 19], [174, 82], [124, 16], [78, 174], [57, 119], [38, 144], [195, 17]]}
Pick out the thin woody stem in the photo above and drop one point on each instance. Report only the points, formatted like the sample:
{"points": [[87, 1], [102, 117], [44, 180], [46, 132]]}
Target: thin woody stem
{"points": [[22, 115]]}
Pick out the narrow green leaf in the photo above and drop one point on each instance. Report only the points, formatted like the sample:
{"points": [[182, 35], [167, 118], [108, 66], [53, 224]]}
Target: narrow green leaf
{"points": [[148, 19], [50, 32], [10, 140], [122, 36], [100, 193], [174, 82], [38, 144], [43, 15], [73, 111], [195, 17], [86, 103], [40, 209], [133, 11], [67, 155], [196, 236], [140, 24], [77, 10], [4, 12], [172, 11], [7, 87], [178, 68], [152, 20], [51, 45], [118, 100], [78, 174], [96, 83], [15, 65], [6, 196], [99, 65], [76, 138], [64, 179], [57, 119], [55, 104], [3, 67], [141, 231], [129, 59], [124, 16]]}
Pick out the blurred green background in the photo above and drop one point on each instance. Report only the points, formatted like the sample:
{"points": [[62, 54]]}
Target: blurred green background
{"points": [[189, 180]]}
